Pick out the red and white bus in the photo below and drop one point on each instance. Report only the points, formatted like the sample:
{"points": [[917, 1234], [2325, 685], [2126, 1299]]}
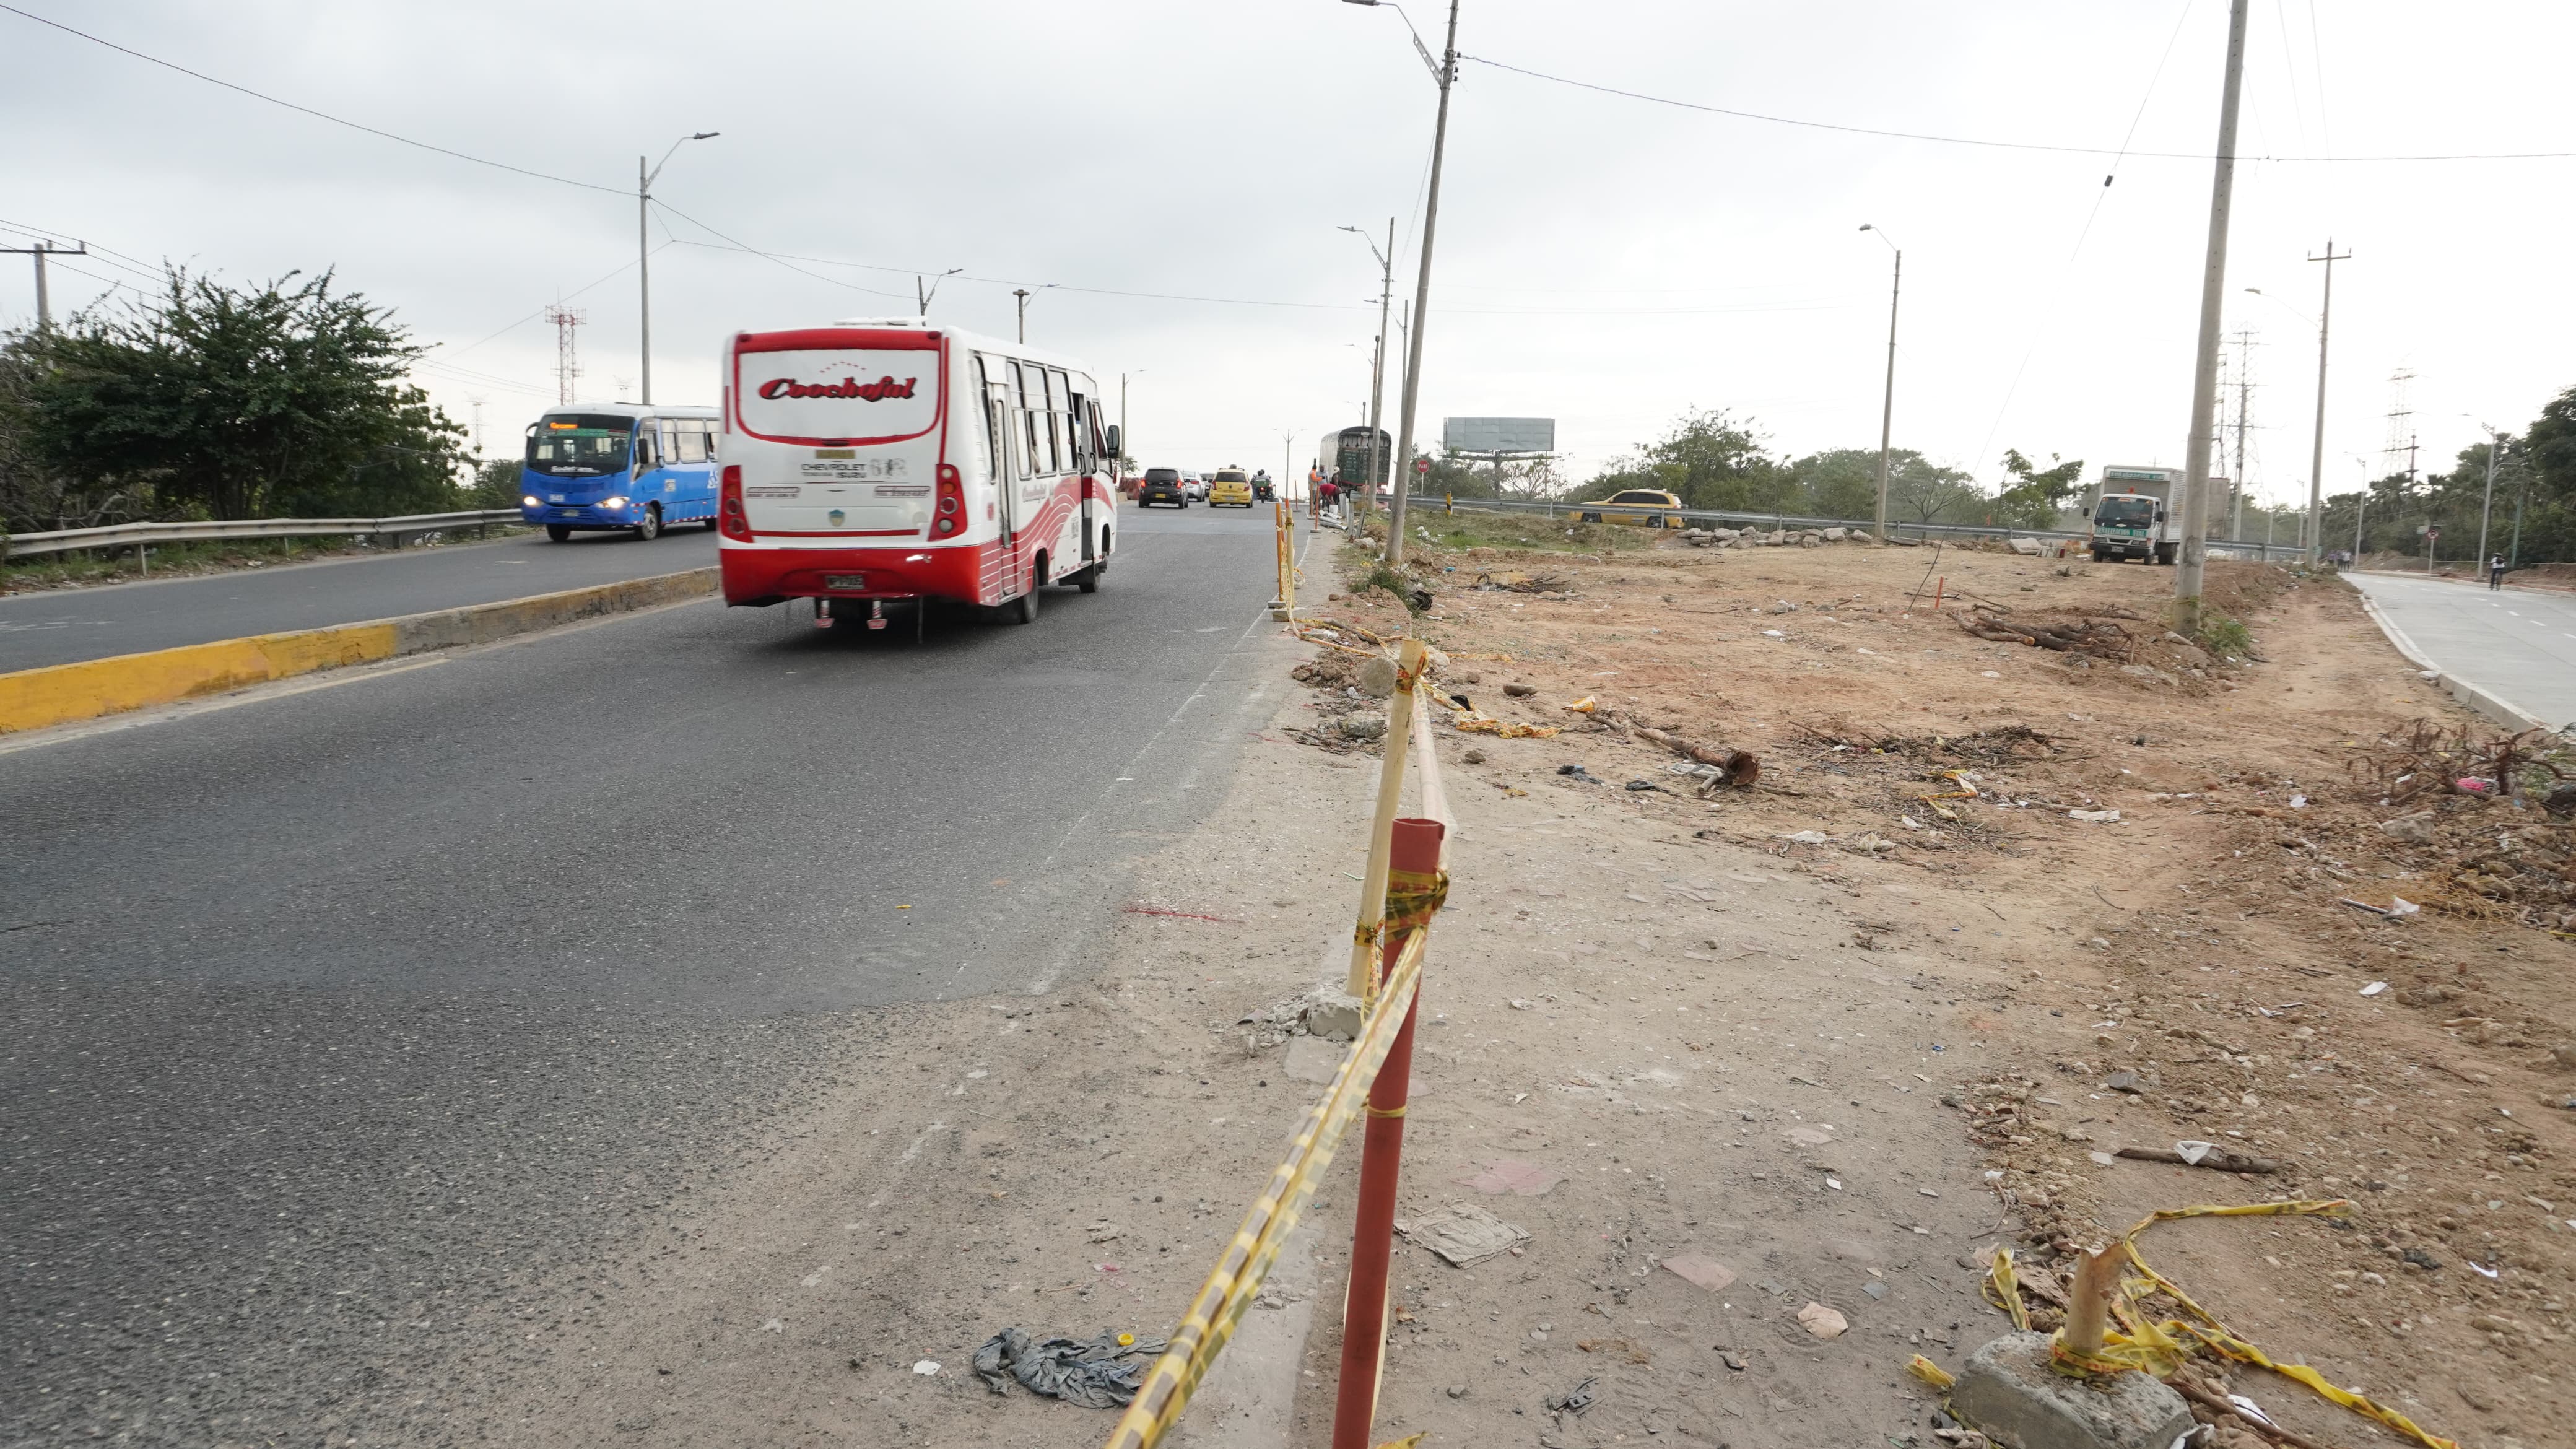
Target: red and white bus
{"points": [[882, 461]]}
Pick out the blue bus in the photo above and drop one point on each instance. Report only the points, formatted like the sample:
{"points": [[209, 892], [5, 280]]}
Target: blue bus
{"points": [[596, 466]]}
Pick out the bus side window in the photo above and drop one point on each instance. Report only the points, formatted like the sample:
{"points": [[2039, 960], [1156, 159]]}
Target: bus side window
{"points": [[1033, 428], [714, 431], [693, 442], [985, 463], [1060, 419], [645, 456], [1023, 453]]}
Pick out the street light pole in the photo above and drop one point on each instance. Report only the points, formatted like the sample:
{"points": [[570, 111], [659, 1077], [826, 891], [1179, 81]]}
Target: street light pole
{"points": [[2204, 384], [644, 249], [1022, 293], [1446, 74], [1887, 409], [1377, 360]]}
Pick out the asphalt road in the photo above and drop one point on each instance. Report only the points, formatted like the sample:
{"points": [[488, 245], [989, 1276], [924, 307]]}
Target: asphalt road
{"points": [[336, 1019], [59, 626], [2518, 645]]}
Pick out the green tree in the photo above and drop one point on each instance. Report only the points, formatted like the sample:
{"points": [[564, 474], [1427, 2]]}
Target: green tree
{"points": [[286, 399], [2036, 496], [1710, 460], [1919, 491]]}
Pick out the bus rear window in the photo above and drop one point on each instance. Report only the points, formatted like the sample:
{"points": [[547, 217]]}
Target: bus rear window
{"points": [[842, 394]]}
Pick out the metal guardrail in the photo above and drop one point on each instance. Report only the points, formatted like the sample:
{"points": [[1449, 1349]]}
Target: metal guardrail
{"points": [[129, 535], [1791, 521]]}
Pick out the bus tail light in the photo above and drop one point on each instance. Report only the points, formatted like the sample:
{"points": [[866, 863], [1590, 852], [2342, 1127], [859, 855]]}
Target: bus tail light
{"points": [[731, 521], [952, 501]]}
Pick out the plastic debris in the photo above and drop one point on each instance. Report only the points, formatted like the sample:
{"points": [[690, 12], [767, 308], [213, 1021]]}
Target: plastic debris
{"points": [[1574, 1400], [1512, 1175], [1463, 1234], [1821, 1321], [1701, 1269], [2374, 988], [927, 1368], [1098, 1373], [1585, 705], [2095, 817]]}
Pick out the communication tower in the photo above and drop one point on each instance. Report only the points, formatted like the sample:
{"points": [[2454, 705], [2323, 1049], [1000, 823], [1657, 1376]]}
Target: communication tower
{"points": [[566, 367]]}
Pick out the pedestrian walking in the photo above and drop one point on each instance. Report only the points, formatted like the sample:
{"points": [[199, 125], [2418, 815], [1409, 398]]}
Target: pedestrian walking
{"points": [[2495, 574]]}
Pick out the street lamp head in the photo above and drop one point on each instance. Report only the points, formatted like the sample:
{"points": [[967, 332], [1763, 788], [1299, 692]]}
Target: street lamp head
{"points": [[1360, 2], [706, 135], [1865, 226]]}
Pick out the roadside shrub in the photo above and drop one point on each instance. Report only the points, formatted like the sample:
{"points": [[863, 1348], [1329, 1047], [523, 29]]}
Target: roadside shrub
{"points": [[2225, 636]]}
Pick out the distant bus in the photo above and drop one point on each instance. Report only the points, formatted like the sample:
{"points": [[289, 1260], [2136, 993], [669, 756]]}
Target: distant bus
{"points": [[598, 466], [1347, 451], [890, 461]]}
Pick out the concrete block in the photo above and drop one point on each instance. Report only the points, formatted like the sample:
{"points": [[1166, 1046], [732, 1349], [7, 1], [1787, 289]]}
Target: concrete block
{"points": [[1333, 1016], [2009, 1391]]}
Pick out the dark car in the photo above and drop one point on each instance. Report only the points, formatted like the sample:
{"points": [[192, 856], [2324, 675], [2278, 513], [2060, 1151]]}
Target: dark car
{"points": [[1162, 485]]}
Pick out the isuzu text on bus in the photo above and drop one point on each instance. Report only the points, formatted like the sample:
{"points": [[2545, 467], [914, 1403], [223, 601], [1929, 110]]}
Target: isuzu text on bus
{"points": [[890, 461]]}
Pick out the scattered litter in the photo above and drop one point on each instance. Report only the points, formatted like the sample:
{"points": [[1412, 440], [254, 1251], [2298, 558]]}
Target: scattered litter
{"points": [[1701, 1269], [1773, 634], [1574, 1400], [1512, 1175], [2251, 1410], [1875, 1291], [927, 1368], [1580, 774], [2483, 1271], [1585, 705], [1821, 1321], [2298, 802], [2095, 817], [2102, 1159], [2399, 908], [1809, 837], [1647, 785], [1463, 1234], [1099, 1373], [2374, 988]]}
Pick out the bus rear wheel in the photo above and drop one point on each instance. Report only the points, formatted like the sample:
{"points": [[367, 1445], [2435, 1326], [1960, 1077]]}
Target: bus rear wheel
{"points": [[558, 533], [1024, 609]]}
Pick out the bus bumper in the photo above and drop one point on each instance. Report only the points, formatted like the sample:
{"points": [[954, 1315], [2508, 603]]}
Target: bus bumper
{"points": [[963, 573]]}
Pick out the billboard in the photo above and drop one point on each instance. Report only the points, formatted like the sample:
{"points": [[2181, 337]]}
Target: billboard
{"points": [[1498, 435]]}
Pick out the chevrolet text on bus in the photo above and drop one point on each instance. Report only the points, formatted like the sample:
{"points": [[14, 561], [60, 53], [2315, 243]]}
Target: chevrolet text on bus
{"points": [[888, 461]]}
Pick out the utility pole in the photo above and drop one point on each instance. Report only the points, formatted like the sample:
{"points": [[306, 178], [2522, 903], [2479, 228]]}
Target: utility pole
{"points": [[644, 251], [2317, 456], [1022, 293], [1448, 76], [923, 295], [2495, 445], [2204, 383], [565, 319], [1887, 409], [40, 251], [2244, 391]]}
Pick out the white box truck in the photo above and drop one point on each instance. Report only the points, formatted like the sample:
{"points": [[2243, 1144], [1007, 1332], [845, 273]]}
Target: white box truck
{"points": [[2137, 514]]}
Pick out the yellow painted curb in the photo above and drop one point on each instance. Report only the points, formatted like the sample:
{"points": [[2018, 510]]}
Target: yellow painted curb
{"points": [[32, 699]]}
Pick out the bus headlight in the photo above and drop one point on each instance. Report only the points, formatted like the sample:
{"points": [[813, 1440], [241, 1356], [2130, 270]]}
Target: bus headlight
{"points": [[613, 503], [528, 501]]}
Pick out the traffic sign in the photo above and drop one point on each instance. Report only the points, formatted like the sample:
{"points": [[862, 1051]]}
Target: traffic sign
{"points": [[1421, 465]]}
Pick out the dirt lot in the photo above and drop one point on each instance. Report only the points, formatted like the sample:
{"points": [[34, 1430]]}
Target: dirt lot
{"points": [[1702, 1037], [2198, 942]]}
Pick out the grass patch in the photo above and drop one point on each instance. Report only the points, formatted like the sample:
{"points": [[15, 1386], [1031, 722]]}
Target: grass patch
{"points": [[1470, 528], [2225, 635]]}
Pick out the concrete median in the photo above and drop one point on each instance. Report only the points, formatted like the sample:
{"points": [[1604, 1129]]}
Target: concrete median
{"points": [[65, 693]]}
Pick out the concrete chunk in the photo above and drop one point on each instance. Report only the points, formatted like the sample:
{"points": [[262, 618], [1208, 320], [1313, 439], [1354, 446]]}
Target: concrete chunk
{"points": [[2009, 1391]]}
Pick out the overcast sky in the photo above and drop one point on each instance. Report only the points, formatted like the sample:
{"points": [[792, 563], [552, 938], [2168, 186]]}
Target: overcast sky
{"points": [[1609, 262]]}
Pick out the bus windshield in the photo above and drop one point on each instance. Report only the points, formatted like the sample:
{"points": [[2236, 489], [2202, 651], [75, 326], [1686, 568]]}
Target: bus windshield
{"points": [[579, 445], [2126, 512]]}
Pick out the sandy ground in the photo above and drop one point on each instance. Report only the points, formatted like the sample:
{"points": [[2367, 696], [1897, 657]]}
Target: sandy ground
{"points": [[1784, 1057]]}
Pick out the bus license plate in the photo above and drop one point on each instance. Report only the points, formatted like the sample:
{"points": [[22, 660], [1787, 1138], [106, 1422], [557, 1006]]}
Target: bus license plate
{"points": [[845, 581]]}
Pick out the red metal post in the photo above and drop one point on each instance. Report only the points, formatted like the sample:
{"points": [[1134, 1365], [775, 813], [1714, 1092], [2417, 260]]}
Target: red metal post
{"points": [[1415, 847]]}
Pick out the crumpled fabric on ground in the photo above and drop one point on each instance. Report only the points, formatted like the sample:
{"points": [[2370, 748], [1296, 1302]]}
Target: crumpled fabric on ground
{"points": [[1099, 1373]]}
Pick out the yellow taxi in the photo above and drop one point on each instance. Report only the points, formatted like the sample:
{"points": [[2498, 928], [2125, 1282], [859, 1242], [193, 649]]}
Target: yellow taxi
{"points": [[1647, 506], [1230, 486]]}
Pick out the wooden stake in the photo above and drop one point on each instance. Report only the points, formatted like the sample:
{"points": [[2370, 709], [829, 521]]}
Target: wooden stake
{"points": [[2088, 1302]]}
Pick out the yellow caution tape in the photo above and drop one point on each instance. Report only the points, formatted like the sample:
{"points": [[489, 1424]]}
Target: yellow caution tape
{"points": [[1407, 1442], [2162, 1348], [1931, 1373], [1228, 1292]]}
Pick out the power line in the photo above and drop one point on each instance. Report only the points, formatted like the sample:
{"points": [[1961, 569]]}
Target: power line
{"points": [[305, 110], [1992, 145]]}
